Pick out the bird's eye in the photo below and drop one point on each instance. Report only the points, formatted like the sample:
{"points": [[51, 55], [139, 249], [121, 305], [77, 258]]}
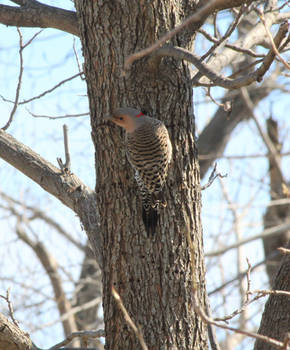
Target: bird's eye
{"points": [[121, 118]]}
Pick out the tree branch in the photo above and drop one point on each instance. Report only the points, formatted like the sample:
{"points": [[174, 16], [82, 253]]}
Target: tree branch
{"points": [[50, 265], [205, 318], [268, 232], [12, 337], [21, 47], [68, 188], [219, 80], [266, 139], [197, 18], [253, 37], [214, 137], [35, 14]]}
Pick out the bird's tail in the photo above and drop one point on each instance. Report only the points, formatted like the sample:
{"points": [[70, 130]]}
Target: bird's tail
{"points": [[150, 217]]}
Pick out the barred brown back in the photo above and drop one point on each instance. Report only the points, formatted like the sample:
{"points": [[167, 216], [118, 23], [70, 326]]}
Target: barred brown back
{"points": [[149, 152]]}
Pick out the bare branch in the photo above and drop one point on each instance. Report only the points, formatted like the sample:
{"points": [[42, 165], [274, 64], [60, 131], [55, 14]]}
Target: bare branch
{"points": [[268, 232], [129, 320], [250, 156], [36, 14], [246, 51], [207, 319], [82, 334], [212, 177], [39, 214], [65, 167], [227, 105], [21, 47], [253, 37], [10, 306], [264, 292], [46, 91], [219, 80], [284, 250], [241, 275], [228, 33], [77, 58], [264, 136], [69, 189], [197, 18], [50, 265], [273, 44], [58, 116]]}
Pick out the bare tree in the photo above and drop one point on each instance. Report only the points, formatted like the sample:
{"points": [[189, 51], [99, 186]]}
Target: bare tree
{"points": [[140, 55]]}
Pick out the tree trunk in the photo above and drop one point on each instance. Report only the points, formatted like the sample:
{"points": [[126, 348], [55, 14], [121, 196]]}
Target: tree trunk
{"points": [[153, 276], [276, 320], [275, 214]]}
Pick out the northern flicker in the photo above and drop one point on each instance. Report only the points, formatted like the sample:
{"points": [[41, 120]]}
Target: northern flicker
{"points": [[149, 151]]}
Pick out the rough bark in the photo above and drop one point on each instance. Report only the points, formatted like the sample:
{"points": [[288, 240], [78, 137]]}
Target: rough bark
{"points": [[152, 276], [276, 214], [276, 316], [12, 337]]}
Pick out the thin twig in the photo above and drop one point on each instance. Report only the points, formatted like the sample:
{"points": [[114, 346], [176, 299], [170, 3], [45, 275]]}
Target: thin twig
{"points": [[242, 69], [44, 92], [129, 320], [274, 47], [231, 46], [241, 275], [77, 57], [59, 116], [10, 306], [264, 136], [82, 334], [268, 232], [246, 51], [32, 38], [245, 303], [201, 13], [207, 319], [227, 106], [264, 292], [249, 156], [51, 89], [218, 79], [284, 250], [212, 177], [228, 33], [65, 167], [5, 127]]}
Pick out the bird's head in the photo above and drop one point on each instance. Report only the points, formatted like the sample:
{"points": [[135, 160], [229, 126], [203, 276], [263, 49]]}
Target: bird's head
{"points": [[128, 118]]}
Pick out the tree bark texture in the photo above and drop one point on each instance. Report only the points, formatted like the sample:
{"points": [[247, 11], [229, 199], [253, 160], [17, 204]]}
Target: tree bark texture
{"points": [[275, 214], [12, 337], [276, 320], [153, 276]]}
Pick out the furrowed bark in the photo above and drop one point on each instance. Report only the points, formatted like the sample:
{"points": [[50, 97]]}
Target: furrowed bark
{"points": [[152, 276]]}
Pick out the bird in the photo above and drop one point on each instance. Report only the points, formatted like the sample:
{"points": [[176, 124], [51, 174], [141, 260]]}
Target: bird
{"points": [[149, 151]]}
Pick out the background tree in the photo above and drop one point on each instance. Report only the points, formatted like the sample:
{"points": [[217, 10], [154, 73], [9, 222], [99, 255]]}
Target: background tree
{"points": [[145, 80]]}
